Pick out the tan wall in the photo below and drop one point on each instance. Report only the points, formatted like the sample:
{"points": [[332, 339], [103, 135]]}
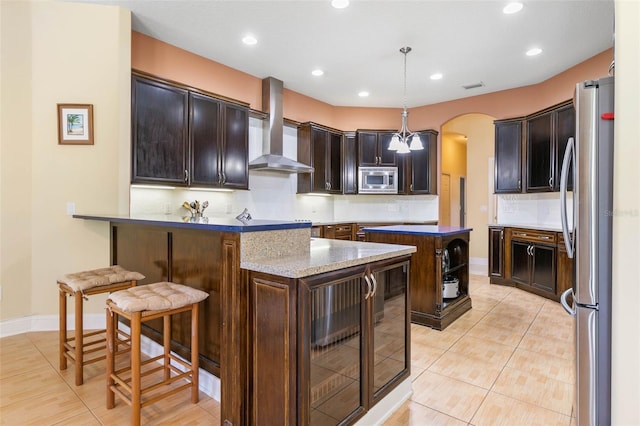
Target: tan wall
{"points": [[626, 219], [60, 53], [454, 164], [480, 141]]}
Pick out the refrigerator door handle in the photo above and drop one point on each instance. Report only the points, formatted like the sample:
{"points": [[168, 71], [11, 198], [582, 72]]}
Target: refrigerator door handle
{"points": [[569, 157], [571, 310]]}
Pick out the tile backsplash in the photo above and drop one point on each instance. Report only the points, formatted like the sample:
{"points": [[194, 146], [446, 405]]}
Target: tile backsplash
{"points": [[532, 209]]}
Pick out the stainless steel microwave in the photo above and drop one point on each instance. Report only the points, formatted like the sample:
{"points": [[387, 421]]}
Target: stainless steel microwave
{"points": [[377, 180]]}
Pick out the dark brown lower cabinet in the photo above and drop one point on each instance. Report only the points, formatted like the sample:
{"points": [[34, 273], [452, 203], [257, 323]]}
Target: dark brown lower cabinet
{"points": [[496, 254], [533, 264], [530, 259], [327, 348]]}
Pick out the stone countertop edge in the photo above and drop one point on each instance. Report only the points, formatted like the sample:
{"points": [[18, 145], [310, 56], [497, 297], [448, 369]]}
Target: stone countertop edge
{"points": [[325, 256], [552, 228], [204, 223], [373, 221], [428, 230]]}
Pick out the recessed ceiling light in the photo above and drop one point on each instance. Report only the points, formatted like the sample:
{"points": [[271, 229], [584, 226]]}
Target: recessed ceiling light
{"points": [[339, 4], [363, 94], [249, 40], [512, 7], [436, 76], [317, 72], [534, 51]]}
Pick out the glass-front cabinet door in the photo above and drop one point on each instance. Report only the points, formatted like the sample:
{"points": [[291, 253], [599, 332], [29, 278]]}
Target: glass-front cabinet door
{"points": [[335, 361], [356, 344], [390, 327]]}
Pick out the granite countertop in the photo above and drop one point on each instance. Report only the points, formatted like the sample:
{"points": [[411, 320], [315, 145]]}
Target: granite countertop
{"points": [[204, 223], [326, 255], [430, 230], [552, 228]]}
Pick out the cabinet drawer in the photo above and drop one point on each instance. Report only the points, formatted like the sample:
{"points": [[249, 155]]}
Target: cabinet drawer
{"points": [[534, 236]]}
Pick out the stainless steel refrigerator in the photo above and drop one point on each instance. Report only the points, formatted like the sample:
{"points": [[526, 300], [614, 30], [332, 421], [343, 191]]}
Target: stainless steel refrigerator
{"points": [[589, 160]]}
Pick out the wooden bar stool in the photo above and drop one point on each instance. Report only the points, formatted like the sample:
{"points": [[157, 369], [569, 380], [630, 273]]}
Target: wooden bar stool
{"points": [[138, 305], [79, 285]]}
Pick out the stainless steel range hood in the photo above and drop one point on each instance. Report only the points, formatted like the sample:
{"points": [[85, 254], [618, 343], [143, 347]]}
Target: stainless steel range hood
{"points": [[272, 159]]}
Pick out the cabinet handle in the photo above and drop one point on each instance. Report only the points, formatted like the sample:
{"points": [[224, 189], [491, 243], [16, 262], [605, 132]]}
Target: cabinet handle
{"points": [[368, 294], [375, 285], [533, 249], [519, 185], [411, 187], [502, 235], [544, 237], [186, 175], [224, 178], [551, 182]]}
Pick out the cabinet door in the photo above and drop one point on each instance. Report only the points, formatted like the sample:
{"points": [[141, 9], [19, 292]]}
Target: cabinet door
{"points": [[159, 132], [543, 268], [385, 156], [204, 135], [334, 347], [367, 148], [319, 160], [350, 165], [520, 261], [508, 156], [539, 153], [334, 165], [565, 128], [424, 166], [389, 313], [564, 268], [235, 147], [496, 252]]}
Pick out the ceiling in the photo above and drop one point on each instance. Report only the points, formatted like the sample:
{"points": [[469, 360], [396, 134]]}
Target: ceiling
{"points": [[359, 47]]}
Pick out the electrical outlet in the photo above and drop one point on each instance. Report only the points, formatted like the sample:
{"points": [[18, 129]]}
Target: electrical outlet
{"points": [[71, 208]]}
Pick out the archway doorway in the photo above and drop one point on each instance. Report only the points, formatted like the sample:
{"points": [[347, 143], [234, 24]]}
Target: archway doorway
{"points": [[467, 149]]}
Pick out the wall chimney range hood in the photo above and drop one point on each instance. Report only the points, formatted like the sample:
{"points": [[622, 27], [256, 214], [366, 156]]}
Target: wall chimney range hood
{"points": [[272, 159]]}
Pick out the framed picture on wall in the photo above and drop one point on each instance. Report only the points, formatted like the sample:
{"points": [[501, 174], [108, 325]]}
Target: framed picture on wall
{"points": [[75, 124]]}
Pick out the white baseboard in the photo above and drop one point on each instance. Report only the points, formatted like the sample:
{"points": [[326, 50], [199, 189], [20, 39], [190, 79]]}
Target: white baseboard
{"points": [[208, 383], [478, 265], [388, 405]]}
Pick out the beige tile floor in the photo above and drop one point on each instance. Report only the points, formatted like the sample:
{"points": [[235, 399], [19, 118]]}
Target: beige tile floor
{"points": [[508, 361]]}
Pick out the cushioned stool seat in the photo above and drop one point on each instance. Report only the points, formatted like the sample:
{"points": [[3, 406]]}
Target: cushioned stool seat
{"points": [[138, 305], [80, 285]]}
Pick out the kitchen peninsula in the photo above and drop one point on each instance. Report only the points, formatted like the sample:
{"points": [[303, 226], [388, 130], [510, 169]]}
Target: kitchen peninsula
{"points": [[281, 305], [439, 278]]}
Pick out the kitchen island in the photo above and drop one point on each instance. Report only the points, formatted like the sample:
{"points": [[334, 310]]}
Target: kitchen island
{"points": [[439, 278], [280, 306]]}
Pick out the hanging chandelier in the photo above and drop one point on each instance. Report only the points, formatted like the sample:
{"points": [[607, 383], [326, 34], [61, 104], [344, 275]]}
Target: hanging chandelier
{"points": [[404, 140]]}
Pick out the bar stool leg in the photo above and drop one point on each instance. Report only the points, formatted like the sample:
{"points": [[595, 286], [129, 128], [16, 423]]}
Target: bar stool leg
{"points": [[166, 343], [194, 354], [135, 368], [62, 327], [79, 339], [112, 348]]}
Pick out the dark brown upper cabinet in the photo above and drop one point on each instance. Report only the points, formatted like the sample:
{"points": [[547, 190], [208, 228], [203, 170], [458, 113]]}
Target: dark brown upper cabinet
{"points": [[422, 166], [350, 164], [373, 148], [219, 143], [508, 156], [159, 128], [547, 136], [184, 138], [321, 148]]}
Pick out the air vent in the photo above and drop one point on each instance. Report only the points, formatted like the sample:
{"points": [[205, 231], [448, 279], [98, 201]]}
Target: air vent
{"points": [[472, 86]]}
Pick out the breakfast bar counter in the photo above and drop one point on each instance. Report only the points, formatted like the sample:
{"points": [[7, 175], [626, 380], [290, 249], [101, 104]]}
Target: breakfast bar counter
{"points": [[257, 274]]}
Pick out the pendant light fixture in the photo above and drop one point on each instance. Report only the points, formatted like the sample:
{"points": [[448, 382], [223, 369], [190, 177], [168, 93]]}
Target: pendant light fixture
{"points": [[404, 140]]}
